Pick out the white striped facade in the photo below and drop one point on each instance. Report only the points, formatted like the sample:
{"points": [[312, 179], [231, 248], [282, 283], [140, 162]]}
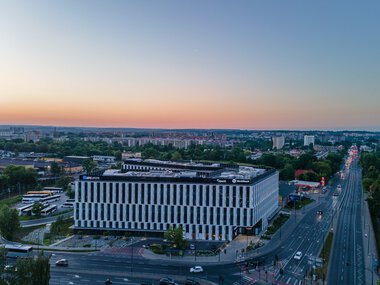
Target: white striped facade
{"points": [[206, 211]]}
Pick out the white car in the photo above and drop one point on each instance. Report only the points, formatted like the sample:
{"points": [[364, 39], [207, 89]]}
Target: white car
{"points": [[298, 255], [62, 262], [196, 269]]}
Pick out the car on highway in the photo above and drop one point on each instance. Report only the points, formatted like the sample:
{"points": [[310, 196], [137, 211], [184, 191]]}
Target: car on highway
{"points": [[62, 262], [196, 269], [167, 281], [298, 255]]}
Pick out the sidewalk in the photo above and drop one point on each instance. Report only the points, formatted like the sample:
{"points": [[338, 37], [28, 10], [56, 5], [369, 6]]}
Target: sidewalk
{"points": [[369, 243], [233, 252]]}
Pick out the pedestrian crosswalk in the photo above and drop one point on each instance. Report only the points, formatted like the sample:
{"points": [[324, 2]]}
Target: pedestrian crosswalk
{"points": [[245, 280]]}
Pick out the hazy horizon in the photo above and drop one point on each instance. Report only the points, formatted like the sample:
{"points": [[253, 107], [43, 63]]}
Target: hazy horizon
{"points": [[291, 65], [190, 129]]}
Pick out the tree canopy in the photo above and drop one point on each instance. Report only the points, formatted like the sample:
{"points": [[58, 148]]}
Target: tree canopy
{"points": [[175, 236], [9, 222]]}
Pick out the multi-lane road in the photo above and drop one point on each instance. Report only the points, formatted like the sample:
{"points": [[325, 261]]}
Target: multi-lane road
{"points": [[95, 268], [308, 235], [308, 238], [347, 260]]}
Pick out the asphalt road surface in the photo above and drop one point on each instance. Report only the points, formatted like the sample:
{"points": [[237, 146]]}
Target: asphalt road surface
{"points": [[93, 268], [347, 259]]}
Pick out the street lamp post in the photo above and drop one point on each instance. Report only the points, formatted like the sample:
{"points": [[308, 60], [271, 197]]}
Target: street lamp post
{"points": [[369, 236], [132, 262]]}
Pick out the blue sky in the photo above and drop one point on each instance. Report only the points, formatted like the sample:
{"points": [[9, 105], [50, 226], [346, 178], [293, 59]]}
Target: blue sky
{"points": [[191, 64]]}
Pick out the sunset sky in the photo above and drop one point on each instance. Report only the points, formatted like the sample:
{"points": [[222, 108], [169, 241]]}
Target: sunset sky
{"points": [[191, 64]]}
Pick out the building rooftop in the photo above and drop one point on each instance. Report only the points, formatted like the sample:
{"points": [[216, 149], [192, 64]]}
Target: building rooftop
{"points": [[183, 171]]}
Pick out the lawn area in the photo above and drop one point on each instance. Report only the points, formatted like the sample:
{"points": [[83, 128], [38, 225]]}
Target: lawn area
{"points": [[11, 201], [325, 255], [277, 223], [21, 232], [60, 228]]}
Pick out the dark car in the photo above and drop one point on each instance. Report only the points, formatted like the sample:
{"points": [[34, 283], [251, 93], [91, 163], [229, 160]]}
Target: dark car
{"points": [[191, 282], [167, 281]]}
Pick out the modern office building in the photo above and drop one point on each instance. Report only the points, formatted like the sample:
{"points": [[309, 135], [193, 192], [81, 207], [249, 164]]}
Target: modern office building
{"points": [[278, 142], [307, 140], [210, 201]]}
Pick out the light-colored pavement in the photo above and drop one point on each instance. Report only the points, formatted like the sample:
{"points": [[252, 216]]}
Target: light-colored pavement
{"points": [[232, 252], [370, 249]]}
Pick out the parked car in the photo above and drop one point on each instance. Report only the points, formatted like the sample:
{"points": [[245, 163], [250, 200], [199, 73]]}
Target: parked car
{"points": [[298, 255], [62, 262], [196, 269]]}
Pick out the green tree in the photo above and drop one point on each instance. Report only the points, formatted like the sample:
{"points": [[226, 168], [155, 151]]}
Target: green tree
{"points": [[89, 165], [3, 260], [57, 226], [37, 208], [175, 236], [176, 156], [310, 176], [323, 169], [63, 182], [4, 179], [19, 175], [305, 161], [55, 169], [287, 173], [32, 271], [24, 272], [41, 270], [150, 152], [9, 222], [367, 183]]}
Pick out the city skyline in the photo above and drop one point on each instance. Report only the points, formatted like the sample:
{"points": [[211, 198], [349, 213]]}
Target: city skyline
{"points": [[177, 65]]}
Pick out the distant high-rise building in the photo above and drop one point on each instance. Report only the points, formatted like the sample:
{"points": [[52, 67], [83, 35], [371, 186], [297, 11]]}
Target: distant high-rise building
{"points": [[307, 140], [278, 142]]}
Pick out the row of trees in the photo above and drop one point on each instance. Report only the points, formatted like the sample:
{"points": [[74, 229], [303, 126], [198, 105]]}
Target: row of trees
{"points": [[72, 146], [237, 154], [287, 165], [18, 178], [370, 163]]}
